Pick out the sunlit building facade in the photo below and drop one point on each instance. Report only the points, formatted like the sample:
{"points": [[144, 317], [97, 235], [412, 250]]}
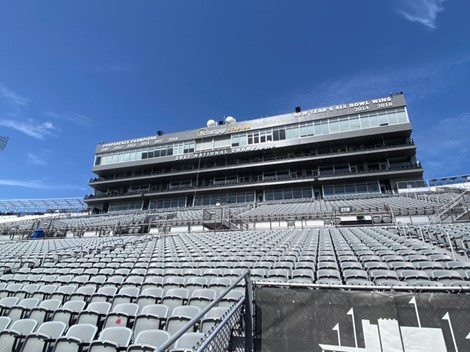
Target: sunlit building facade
{"points": [[346, 149]]}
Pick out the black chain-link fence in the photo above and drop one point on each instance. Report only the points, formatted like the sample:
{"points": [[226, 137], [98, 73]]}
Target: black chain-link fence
{"points": [[229, 334], [228, 330]]}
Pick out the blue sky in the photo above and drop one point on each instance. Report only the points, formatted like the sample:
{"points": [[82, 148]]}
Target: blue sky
{"points": [[76, 73]]}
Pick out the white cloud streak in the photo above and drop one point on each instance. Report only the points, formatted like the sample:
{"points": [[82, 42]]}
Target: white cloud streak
{"points": [[12, 97], [34, 184], [418, 82], [74, 118], [37, 160], [423, 11], [29, 127]]}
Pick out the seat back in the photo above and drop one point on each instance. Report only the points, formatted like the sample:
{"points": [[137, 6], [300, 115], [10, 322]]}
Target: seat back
{"points": [[188, 341], [121, 336], [150, 339], [85, 332], [53, 329]]}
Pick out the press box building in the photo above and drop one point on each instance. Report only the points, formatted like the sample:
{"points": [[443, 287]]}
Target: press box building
{"points": [[345, 149]]}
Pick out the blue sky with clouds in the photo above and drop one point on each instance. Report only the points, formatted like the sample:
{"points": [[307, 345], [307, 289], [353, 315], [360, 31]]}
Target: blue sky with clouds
{"points": [[76, 73]]}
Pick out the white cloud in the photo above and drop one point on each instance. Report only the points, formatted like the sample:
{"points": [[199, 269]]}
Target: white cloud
{"points": [[37, 159], [35, 184], [418, 82], [12, 97], [30, 127], [75, 118], [423, 11]]}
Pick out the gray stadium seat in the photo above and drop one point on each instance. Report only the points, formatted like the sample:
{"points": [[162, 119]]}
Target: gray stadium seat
{"points": [[212, 318], [44, 310], [94, 313], [151, 317], [202, 297], [68, 313], [188, 341], [112, 339], [180, 316], [77, 338], [149, 295], [44, 336], [123, 314], [11, 339], [22, 308], [149, 340], [6, 303], [175, 297], [4, 323]]}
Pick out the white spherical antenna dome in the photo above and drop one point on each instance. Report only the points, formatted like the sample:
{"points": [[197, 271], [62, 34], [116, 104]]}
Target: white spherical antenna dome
{"points": [[230, 119], [211, 123]]}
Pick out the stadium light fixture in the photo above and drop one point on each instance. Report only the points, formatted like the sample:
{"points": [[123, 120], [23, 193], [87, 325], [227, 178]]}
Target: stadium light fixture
{"points": [[3, 142]]}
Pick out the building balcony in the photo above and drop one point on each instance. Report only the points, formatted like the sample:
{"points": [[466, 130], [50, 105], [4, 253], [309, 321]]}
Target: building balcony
{"points": [[235, 164], [315, 179]]}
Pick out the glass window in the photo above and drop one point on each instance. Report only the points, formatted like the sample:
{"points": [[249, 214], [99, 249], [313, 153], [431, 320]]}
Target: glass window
{"points": [[262, 137], [354, 122], [392, 117], [222, 142], [372, 187], [268, 195], [339, 189], [189, 147], [324, 127], [328, 190], [365, 121], [374, 120], [317, 127], [341, 169], [279, 134], [383, 120], [288, 193], [344, 124], [292, 131], [361, 188], [306, 129], [334, 125], [204, 144], [307, 193], [269, 176], [325, 170], [402, 116], [241, 198], [297, 193]]}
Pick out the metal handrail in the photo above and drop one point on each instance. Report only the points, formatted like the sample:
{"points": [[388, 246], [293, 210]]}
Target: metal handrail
{"points": [[221, 325], [194, 320]]}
